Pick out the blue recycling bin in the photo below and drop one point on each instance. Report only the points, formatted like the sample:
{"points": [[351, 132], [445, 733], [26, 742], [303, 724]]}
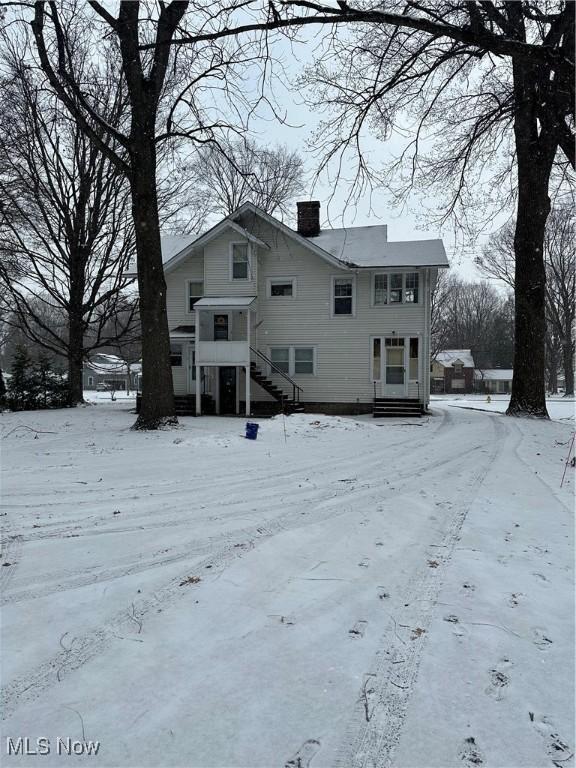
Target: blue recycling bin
{"points": [[251, 430]]}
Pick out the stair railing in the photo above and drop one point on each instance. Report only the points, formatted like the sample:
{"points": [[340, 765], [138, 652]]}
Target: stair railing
{"points": [[296, 390]]}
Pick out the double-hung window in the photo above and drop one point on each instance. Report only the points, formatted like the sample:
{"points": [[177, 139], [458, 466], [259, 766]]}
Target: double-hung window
{"points": [[294, 360], [411, 290], [280, 357], [281, 287], [343, 296], [195, 293], [176, 355], [240, 267], [396, 288], [304, 360]]}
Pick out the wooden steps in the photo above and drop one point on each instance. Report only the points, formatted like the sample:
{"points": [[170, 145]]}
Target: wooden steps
{"points": [[286, 404], [389, 407]]}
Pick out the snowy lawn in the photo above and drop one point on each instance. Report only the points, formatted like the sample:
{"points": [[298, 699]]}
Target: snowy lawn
{"points": [[559, 408], [338, 593]]}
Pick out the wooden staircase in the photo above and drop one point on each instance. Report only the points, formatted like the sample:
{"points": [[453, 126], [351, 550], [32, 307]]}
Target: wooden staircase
{"points": [[185, 405], [397, 407], [286, 404]]}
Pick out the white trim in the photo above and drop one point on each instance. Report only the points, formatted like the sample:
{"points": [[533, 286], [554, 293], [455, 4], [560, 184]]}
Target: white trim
{"points": [[351, 278], [281, 279], [251, 275]]}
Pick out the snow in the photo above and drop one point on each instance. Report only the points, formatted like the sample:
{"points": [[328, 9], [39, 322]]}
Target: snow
{"points": [[339, 592], [370, 247], [559, 408], [493, 374], [449, 356], [225, 301]]}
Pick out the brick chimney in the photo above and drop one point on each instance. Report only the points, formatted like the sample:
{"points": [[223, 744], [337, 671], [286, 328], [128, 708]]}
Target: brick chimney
{"points": [[308, 218]]}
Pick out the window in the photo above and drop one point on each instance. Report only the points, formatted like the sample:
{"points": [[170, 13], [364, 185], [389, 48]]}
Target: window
{"points": [[343, 295], [413, 360], [458, 370], [220, 327], [396, 288], [176, 355], [380, 289], [280, 356], [376, 359], [411, 293], [304, 360], [294, 361], [281, 287], [239, 261], [90, 381], [195, 292]]}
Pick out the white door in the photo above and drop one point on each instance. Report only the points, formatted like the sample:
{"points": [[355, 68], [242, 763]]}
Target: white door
{"points": [[394, 363]]}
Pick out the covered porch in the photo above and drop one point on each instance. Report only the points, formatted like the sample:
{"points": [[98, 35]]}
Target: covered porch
{"points": [[225, 331]]}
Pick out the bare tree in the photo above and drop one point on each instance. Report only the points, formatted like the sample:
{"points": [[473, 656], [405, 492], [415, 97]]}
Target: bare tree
{"points": [[241, 171], [165, 92], [477, 78], [474, 315], [66, 237], [446, 285], [498, 261]]}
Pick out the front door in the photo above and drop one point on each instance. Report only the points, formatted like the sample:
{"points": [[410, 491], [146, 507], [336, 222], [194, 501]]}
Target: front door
{"points": [[227, 382], [394, 378]]}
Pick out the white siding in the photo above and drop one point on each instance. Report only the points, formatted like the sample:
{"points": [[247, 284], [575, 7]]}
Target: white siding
{"points": [[342, 344], [217, 268]]}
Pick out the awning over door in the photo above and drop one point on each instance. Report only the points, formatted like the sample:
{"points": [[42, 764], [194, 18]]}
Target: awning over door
{"points": [[225, 302]]}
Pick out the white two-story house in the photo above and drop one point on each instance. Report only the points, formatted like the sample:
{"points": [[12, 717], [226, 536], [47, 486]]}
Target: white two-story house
{"points": [[262, 316]]}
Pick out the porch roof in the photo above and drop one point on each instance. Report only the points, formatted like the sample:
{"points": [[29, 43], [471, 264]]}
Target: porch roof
{"points": [[225, 302], [183, 332]]}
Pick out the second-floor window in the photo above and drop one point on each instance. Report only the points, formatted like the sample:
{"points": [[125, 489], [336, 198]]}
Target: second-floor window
{"points": [[240, 261], [343, 296], [396, 288], [195, 292]]}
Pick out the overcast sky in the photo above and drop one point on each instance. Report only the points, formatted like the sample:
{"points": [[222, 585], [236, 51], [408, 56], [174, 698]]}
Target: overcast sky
{"points": [[411, 223]]}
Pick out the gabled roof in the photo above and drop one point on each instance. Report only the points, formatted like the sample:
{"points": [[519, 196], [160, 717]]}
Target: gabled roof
{"points": [[447, 358], [199, 241], [493, 374], [348, 248]]}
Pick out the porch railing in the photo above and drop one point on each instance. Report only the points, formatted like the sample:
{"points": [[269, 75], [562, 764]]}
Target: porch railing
{"points": [[296, 390]]}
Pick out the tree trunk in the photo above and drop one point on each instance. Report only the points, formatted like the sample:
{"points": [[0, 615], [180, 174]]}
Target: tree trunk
{"points": [[157, 406], [568, 365], [535, 155], [76, 330]]}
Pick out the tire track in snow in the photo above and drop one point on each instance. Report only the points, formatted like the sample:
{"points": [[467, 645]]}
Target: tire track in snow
{"points": [[376, 724], [120, 626], [63, 581]]}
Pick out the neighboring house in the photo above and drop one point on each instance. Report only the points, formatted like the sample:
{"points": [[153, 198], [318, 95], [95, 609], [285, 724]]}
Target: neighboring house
{"points": [[493, 380], [453, 372], [265, 316], [110, 371]]}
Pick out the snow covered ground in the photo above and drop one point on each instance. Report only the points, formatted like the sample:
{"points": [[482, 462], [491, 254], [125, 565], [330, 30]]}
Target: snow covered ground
{"points": [[559, 408], [338, 593]]}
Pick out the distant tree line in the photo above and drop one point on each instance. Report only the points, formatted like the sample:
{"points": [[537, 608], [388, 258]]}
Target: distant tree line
{"points": [[473, 315]]}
